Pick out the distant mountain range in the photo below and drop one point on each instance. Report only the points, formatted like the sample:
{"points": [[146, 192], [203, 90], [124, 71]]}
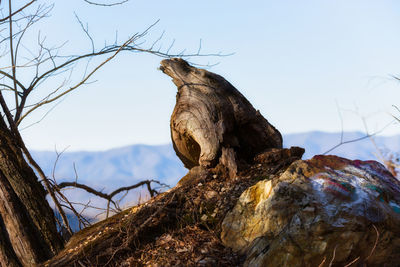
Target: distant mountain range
{"points": [[320, 142], [108, 170], [116, 167]]}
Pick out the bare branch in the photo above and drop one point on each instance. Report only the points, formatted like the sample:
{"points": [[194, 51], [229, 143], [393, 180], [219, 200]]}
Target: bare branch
{"points": [[73, 87], [14, 75], [341, 121], [43, 117], [84, 187], [18, 11], [106, 5], [68, 62], [109, 197], [333, 256], [367, 135], [353, 261], [127, 188], [376, 243], [41, 12], [85, 30], [11, 78], [395, 77]]}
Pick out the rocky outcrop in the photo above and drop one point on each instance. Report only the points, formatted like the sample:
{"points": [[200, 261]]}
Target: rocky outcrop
{"points": [[213, 122], [327, 210]]}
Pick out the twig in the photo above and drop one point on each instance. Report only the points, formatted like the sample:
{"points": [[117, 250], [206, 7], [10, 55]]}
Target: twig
{"points": [[333, 256], [14, 75], [353, 261], [75, 86], [106, 5], [376, 242], [322, 263], [17, 11], [129, 240], [109, 197], [367, 135]]}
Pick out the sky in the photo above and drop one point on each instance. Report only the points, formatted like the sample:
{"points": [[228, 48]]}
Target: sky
{"points": [[306, 65]]}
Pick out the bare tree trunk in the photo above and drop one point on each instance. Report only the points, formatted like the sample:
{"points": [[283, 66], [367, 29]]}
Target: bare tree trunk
{"points": [[7, 254], [29, 248], [213, 122], [27, 216]]}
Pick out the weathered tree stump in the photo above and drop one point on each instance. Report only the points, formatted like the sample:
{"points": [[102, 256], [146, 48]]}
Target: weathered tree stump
{"points": [[213, 122]]}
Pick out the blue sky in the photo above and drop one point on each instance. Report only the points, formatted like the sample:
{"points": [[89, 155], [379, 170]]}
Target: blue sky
{"points": [[296, 61]]}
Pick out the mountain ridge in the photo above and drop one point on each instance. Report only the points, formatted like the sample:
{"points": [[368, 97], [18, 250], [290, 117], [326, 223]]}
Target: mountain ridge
{"points": [[141, 161], [124, 166]]}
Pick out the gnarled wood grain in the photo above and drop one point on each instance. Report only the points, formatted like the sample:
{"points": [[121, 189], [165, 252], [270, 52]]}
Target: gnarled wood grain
{"points": [[210, 114]]}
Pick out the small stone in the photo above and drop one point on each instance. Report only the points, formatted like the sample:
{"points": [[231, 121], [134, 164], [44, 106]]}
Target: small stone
{"points": [[206, 262], [215, 176], [203, 250], [210, 194], [309, 209], [180, 250], [199, 184], [197, 201]]}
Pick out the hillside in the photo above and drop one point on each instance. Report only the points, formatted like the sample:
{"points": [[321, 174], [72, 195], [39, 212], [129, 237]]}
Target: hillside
{"points": [[256, 219], [177, 228]]}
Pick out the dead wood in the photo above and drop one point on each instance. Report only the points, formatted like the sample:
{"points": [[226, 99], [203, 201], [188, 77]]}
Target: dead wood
{"points": [[212, 120], [110, 196]]}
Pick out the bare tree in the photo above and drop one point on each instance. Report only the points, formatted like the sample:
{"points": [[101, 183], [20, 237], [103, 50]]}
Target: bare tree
{"points": [[28, 229]]}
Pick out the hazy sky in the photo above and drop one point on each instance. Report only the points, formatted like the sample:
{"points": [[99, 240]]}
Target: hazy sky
{"points": [[296, 61]]}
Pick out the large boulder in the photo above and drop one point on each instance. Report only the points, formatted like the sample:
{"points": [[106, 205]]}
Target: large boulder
{"points": [[320, 212]]}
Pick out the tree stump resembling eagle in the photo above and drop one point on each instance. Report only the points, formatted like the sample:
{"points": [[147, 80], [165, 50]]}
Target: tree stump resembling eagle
{"points": [[212, 121]]}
